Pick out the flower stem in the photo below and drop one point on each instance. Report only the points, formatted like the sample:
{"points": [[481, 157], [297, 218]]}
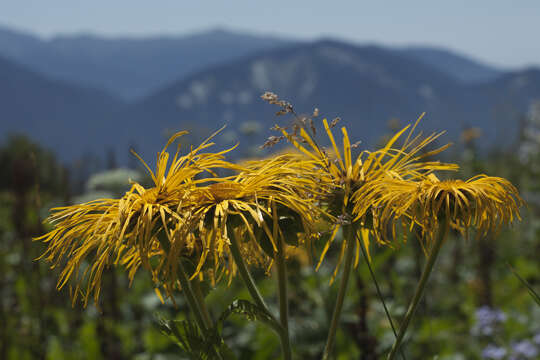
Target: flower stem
{"points": [[196, 304], [191, 298], [195, 299], [282, 293], [254, 292], [193, 304], [379, 293], [196, 285], [244, 272], [349, 255], [419, 292]]}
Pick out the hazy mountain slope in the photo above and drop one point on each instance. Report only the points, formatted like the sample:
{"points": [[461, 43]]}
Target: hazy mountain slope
{"points": [[129, 67], [16, 43], [366, 86], [69, 119], [505, 101], [460, 67], [134, 67]]}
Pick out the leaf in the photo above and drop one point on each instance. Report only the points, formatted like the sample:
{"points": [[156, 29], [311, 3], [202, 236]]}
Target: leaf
{"points": [[193, 343], [251, 312], [524, 282]]}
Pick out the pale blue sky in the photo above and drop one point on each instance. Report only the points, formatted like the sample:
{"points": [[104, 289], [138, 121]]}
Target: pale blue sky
{"points": [[504, 33]]}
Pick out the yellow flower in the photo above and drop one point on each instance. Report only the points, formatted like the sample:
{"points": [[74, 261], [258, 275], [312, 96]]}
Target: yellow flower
{"points": [[343, 179], [127, 231], [269, 199], [483, 202]]}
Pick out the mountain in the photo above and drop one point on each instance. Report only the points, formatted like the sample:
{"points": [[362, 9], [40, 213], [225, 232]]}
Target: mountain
{"points": [[366, 86], [135, 67], [462, 68], [129, 67], [69, 119], [505, 101]]}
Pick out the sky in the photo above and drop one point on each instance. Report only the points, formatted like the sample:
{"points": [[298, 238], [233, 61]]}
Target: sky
{"points": [[497, 32]]}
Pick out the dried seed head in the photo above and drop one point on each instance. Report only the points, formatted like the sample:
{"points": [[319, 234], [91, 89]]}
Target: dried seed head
{"points": [[335, 122], [270, 97], [312, 126], [344, 219], [271, 141], [315, 112], [296, 128]]}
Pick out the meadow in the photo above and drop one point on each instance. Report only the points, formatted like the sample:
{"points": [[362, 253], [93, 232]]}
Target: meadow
{"points": [[305, 254]]}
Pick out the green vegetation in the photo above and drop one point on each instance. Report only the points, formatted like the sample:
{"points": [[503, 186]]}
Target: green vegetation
{"points": [[475, 306]]}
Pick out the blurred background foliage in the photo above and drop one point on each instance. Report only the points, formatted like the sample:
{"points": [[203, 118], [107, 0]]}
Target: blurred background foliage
{"points": [[474, 306]]}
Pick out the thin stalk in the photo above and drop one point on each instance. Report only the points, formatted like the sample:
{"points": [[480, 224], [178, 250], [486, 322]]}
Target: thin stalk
{"points": [[196, 304], [193, 304], [282, 293], [195, 301], [254, 292], [191, 298], [364, 254], [196, 285], [349, 256], [244, 271], [419, 292]]}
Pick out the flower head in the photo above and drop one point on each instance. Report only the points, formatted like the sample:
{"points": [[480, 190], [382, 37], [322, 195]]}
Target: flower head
{"points": [[494, 352], [483, 202], [344, 178], [487, 320], [268, 199], [127, 231], [524, 349]]}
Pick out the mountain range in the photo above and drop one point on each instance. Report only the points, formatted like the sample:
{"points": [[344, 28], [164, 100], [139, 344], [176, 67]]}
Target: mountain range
{"points": [[364, 85], [132, 68], [128, 67], [86, 94], [69, 119]]}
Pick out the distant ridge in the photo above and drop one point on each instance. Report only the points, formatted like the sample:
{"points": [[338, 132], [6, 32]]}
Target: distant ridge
{"points": [[364, 85], [134, 67], [69, 119], [129, 67], [462, 68]]}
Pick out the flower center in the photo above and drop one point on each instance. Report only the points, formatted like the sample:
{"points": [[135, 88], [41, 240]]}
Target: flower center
{"points": [[225, 191]]}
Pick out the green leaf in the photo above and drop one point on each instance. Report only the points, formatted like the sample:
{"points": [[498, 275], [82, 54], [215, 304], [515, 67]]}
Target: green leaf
{"points": [[524, 282], [251, 312], [194, 344]]}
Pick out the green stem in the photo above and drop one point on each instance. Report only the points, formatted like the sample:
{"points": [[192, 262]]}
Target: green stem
{"points": [[193, 304], [191, 298], [349, 256], [196, 304], [195, 300], [283, 303], [196, 285], [254, 291], [379, 293], [244, 272], [419, 292]]}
